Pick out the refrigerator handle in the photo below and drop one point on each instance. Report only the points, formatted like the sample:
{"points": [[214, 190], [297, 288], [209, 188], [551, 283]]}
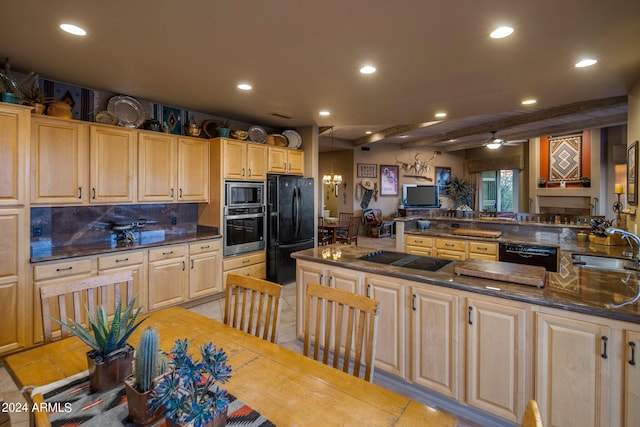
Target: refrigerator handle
{"points": [[296, 210]]}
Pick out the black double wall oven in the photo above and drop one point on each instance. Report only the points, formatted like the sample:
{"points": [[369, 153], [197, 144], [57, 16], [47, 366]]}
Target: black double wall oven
{"points": [[244, 217]]}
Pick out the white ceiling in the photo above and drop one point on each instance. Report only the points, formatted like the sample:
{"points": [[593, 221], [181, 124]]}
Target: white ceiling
{"points": [[303, 56]]}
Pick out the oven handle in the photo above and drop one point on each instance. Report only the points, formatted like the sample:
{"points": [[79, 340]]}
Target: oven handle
{"points": [[526, 254], [253, 215]]}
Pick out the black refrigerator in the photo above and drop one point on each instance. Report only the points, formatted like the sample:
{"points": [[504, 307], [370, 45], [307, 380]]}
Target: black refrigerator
{"points": [[289, 224]]}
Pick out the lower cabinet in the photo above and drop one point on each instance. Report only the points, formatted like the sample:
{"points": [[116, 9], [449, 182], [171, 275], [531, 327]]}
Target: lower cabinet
{"points": [[123, 262], [205, 272], [631, 363], [253, 264], [168, 276]]}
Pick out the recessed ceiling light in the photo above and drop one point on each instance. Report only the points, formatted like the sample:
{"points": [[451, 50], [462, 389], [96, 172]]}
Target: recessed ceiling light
{"points": [[587, 62], [529, 102], [501, 32], [404, 136], [368, 132], [325, 113], [368, 69], [441, 114], [73, 29], [244, 86]]}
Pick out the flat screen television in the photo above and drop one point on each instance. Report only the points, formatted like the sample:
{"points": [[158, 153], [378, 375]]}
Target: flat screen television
{"points": [[423, 196]]}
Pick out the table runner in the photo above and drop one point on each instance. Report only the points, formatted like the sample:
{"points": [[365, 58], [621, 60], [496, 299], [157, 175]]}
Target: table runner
{"points": [[77, 404]]}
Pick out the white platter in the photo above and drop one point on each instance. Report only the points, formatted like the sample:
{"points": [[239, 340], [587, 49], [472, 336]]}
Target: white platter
{"points": [[294, 138], [128, 110]]}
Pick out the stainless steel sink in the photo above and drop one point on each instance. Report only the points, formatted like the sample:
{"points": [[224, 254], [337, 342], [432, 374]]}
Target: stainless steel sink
{"points": [[604, 263]]}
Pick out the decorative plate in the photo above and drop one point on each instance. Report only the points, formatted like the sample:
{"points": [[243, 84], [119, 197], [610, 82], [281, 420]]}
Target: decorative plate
{"points": [[294, 138], [210, 128], [257, 134], [128, 110]]}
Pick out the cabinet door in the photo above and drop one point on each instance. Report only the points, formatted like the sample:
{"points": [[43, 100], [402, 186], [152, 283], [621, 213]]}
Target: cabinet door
{"points": [[306, 273], [193, 170], [14, 141], [124, 262], [112, 166], [256, 161], [572, 373], [234, 157], [205, 274], [496, 357], [390, 293], [59, 159], [12, 289], [342, 278], [277, 160], [632, 379], [295, 162], [157, 164], [167, 283], [434, 341]]}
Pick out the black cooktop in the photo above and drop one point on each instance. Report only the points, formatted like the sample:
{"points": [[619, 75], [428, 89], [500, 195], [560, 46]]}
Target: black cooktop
{"points": [[401, 259]]}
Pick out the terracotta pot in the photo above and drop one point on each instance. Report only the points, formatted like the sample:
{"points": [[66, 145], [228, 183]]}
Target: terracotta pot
{"points": [[140, 411], [109, 373], [59, 109]]}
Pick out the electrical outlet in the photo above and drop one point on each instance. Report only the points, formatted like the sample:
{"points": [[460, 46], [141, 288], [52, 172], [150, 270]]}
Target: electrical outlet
{"points": [[174, 220], [37, 231]]}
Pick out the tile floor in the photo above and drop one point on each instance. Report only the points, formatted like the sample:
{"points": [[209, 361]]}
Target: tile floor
{"points": [[287, 338]]}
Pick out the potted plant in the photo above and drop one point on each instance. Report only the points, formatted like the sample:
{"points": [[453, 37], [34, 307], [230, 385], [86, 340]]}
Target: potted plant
{"points": [[223, 128], [542, 182], [149, 363], [586, 181], [8, 84], [31, 93], [110, 356], [189, 391], [462, 192]]}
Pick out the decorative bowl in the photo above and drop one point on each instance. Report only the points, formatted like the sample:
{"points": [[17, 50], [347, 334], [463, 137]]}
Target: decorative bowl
{"points": [[240, 134]]}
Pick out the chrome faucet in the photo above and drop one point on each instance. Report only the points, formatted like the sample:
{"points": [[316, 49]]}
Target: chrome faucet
{"points": [[628, 236]]}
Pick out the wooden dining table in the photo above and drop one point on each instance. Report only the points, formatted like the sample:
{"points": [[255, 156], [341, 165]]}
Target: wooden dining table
{"points": [[333, 228], [284, 386]]}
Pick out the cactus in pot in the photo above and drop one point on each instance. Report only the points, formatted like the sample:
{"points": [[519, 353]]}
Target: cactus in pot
{"points": [[149, 363]]}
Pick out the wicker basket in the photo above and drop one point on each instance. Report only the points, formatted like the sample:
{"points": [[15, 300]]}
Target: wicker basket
{"points": [[277, 140], [612, 240]]}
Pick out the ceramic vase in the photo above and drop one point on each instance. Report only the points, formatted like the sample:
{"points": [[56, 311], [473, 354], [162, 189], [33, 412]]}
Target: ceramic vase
{"points": [[140, 411], [109, 373], [224, 132]]}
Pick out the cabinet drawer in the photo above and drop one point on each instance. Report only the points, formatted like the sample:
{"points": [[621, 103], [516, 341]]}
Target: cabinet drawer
{"points": [[454, 255], [483, 248], [120, 260], [61, 269], [451, 244], [205, 246], [412, 240], [417, 250], [167, 252], [256, 270], [244, 261]]}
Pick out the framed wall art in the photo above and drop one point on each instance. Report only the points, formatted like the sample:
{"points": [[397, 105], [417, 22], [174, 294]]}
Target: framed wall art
{"points": [[388, 180], [632, 174], [443, 178], [366, 170]]}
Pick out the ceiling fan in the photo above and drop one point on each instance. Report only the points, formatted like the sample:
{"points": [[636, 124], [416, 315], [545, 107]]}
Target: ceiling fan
{"points": [[495, 142]]}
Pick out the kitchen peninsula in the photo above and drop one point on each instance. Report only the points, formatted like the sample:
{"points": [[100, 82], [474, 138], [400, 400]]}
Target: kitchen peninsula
{"points": [[493, 345]]}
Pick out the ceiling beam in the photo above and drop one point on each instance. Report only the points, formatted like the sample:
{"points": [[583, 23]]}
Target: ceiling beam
{"points": [[390, 132], [593, 123], [499, 125]]}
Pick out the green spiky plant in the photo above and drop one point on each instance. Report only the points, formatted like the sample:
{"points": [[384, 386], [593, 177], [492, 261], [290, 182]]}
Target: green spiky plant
{"points": [[149, 361], [107, 337]]}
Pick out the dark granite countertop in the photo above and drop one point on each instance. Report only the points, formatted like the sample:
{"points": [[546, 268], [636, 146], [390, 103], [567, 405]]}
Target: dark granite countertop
{"points": [[576, 289], [45, 251]]}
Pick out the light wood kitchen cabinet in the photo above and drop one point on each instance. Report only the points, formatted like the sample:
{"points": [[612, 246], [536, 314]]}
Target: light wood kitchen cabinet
{"points": [[631, 362], [435, 340], [418, 245], [482, 250], [205, 268], [454, 249], [168, 276], [112, 165], [53, 273], [244, 160], [496, 356], [193, 170], [14, 143], [253, 264], [13, 290], [286, 161], [391, 296], [123, 262], [157, 167], [573, 370]]}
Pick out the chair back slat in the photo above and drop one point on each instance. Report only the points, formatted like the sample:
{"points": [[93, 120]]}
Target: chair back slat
{"points": [[255, 303], [77, 291], [345, 327]]}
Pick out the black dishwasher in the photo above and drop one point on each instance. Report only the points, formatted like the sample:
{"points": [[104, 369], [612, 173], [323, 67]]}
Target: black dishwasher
{"points": [[543, 256]]}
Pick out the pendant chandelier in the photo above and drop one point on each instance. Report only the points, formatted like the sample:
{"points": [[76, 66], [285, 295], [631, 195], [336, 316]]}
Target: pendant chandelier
{"points": [[332, 179]]}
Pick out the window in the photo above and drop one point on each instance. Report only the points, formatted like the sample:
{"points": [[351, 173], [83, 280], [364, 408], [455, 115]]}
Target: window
{"points": [[498, 190]]}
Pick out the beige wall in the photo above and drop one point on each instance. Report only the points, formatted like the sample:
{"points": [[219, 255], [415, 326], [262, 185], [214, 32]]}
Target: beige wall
{"points": [[633, 134]]}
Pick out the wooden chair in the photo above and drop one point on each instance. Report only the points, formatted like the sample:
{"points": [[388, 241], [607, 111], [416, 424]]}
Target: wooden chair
{"points": [[324, 236], [253, 306], [532, 417], [343, 315], [345, 218], [92, 291], [351, 233]]}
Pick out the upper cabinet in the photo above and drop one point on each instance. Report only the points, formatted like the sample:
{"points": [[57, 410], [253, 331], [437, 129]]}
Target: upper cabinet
{"points": [[172, 168], [286, 161], [244, 160], [14, 140], [112, 164], [59, 157]]}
